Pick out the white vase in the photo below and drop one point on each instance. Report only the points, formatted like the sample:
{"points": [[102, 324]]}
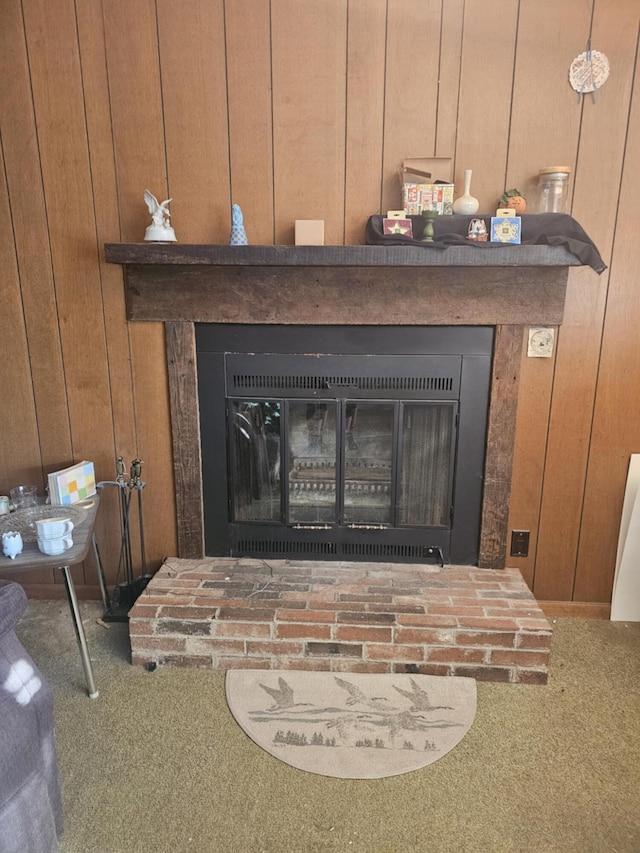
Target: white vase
{"points": [[466, 203]]}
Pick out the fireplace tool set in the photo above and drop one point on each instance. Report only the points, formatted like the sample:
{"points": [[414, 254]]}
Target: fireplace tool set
{"points": [[127, 591]]}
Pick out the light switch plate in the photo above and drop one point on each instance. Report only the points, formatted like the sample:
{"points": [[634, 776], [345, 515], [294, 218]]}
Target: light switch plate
{"points": [[541, 342]]}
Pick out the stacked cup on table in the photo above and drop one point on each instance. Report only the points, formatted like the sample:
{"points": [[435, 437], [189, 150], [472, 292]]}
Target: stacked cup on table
{"points": [[54, 535]]}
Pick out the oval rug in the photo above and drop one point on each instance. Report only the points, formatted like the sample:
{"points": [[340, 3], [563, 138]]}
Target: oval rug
{"points": [[352, 725]]}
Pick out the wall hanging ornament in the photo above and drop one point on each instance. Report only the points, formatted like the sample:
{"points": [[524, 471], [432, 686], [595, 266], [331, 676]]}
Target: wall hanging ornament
{"points": [[588, 72]]}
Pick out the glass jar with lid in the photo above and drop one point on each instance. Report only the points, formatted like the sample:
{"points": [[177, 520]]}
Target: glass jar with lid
{"points": [[553, 189]]}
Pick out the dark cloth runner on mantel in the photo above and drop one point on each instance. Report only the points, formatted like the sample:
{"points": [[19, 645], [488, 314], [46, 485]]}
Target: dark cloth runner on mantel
{"points": [[550, 229]]}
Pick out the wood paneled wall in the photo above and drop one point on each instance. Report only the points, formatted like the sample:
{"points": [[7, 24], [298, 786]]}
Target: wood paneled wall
{"points": [[305, 110]]}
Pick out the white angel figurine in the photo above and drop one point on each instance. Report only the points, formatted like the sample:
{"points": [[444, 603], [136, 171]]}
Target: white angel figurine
{"points": [[160, 230]]}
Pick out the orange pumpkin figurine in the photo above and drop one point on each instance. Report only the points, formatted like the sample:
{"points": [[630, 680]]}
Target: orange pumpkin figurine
{"points": [[515, 200]]}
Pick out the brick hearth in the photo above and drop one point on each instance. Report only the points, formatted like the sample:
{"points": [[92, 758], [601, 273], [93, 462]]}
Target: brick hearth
{"points": [[226, 613]]}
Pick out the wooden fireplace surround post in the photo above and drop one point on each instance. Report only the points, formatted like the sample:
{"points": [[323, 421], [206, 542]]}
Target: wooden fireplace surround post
{"points": [[507, 287]]}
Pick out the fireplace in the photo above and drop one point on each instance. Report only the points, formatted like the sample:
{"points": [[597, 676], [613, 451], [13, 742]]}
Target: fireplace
{"points": [[506, 288], [344, 616], [346, 443]]}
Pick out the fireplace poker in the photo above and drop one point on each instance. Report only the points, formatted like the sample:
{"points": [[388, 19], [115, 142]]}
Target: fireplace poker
{"points": [[136, 482]]}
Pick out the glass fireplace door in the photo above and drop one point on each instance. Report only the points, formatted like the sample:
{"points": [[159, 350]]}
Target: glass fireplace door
{"points": [[350, 463]]}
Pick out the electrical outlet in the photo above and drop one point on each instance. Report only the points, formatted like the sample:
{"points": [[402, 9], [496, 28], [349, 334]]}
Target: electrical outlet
{"points": [[519, 543]]}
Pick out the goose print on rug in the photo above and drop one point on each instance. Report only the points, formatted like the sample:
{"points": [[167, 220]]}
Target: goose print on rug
{"points": [[352, 725]]}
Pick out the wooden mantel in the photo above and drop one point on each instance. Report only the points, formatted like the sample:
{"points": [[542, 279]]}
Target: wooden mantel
{"points": [[507, 287]]}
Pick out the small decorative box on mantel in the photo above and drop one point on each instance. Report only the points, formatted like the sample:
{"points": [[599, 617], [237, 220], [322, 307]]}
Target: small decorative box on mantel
{"points": [[505, 226]]}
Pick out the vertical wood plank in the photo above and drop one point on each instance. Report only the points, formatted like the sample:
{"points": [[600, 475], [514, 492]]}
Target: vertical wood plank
{"points": [[449, 77], [616, 424], [544, 130], [488, 48], [31, 234], [19, 435], [529, 453], [138, 127], [185, 428], [71, 223], [501, 427], [365, 114], [118, 351], [411, 89], [248, 43], [194, 100], [545, 115], [309, 65], [602, 140]]}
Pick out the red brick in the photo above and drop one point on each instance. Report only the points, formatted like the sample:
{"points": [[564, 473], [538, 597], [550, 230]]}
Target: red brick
{"points": [[366, 618], [142, 659], [387, 652], [181, 626], [486, 638], [370, 598], [455, 610], [254, 647], [174, 583], [307, 664], [516, 657], [424, 635], [160, 599], [534, 624], [396, 608], [171, 644], [422, 668], [484, 673], [451, 655], [364, 633], [432, 620], [240, 614], [417, 619], [140, 626], [204, 645], [200, 661], [242, 663], [186, 612], [334, 649], [534, 641], [305, 616], [531, 676], [241, 629], [341, 665], [487, 623], [311, 631]]}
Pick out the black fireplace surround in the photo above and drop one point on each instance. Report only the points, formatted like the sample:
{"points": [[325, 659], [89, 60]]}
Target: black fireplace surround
{"points": [[343, 442]]}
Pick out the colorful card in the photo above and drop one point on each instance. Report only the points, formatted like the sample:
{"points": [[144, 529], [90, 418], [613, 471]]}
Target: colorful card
{"points": [[72, 484]]}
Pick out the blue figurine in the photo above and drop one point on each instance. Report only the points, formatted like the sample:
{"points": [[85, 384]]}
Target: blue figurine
{"points": [[238, 235]]}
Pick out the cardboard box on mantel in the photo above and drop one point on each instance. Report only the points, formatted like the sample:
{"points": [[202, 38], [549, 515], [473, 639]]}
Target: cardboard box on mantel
{"points": [[309, 232]]}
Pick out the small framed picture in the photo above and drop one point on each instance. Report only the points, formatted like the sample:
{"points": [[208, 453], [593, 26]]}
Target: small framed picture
{"points": [[396, 227], [505, 229]]}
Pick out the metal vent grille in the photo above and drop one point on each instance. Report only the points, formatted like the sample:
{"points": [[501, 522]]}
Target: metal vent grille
{"points": [[250, 547], [383, 550], [257, 382]]}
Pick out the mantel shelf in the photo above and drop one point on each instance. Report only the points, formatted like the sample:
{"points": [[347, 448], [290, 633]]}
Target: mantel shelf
{"points": [[492, 255]]}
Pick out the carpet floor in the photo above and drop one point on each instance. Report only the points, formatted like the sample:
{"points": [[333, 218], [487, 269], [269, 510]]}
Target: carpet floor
{"points": [[157, 762]]}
